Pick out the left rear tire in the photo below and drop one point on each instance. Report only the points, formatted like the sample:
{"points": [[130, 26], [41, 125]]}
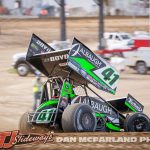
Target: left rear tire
{"points": [[78, 118]]}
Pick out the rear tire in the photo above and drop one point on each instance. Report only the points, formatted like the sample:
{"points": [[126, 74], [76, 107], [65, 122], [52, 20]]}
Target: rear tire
{"points": [[141, 68], [78, 118], [137, 122], [23, 69]]}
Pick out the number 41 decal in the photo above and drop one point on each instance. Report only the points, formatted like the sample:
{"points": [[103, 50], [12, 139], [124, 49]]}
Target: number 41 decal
{"points": [[110, 76], [45, 115]]}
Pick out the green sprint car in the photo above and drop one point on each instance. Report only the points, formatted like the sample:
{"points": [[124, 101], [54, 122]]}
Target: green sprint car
{"points": [[70, 101]]}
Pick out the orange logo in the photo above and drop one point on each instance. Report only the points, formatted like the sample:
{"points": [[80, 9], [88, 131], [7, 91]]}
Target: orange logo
{"points": [[7, 139]]}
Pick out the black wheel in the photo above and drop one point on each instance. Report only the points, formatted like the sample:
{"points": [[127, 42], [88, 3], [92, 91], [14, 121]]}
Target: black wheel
{"points": [[137, 122], [23, 69], [78, 118], [101, 125], [141, 68], [24, 126]]}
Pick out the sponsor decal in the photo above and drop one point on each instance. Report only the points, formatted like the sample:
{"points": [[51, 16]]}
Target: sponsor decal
{"points": [[56, 58], [9, 139], [34, 46], [45, 115], [73, 66], [83, 73], [133, 104], [138, 108], [43, 46], [79, 51], [99, 107], [62, 64]]}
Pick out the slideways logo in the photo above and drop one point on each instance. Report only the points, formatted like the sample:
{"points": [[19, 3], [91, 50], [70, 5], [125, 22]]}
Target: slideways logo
{"points": [[10, 138], [7, 139]]}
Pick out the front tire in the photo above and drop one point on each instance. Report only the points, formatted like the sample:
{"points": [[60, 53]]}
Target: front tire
{"points": [[137, 122], [24, 126], [78, 118]]}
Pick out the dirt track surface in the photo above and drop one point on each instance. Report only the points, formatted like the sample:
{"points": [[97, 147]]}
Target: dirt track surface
{"points": [[16, 92], [18, 32]]}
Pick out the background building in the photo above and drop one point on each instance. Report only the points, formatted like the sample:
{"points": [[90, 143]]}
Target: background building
{"points": [[111, 7]]}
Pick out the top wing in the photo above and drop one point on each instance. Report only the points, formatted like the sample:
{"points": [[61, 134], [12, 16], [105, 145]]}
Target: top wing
{"points": [[45, 58], [37, 46], [93, 68]]}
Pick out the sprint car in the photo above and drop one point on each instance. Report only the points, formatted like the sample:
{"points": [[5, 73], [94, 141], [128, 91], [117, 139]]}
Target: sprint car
{"points": [[70, 99]]}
